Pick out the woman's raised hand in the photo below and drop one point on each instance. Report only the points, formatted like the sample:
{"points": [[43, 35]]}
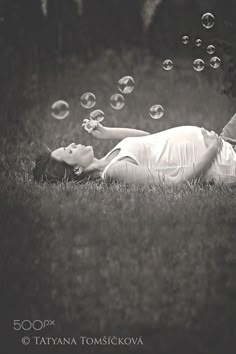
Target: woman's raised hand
{"points": [[96, 129], [212, 139]]}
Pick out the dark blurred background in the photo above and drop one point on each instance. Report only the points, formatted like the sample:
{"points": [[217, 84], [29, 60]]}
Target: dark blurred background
{"points": [[53, 29]]}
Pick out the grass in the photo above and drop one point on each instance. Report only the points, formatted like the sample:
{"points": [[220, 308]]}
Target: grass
{"points": [[115, 259]]}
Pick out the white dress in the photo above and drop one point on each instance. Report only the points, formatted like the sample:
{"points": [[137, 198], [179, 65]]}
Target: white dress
{"points": [[172, 150]]}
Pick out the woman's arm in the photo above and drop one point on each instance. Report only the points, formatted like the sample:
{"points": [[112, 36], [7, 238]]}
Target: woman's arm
{"points": [[122, 133], [131, 173], [199, 168], [106, 133]]}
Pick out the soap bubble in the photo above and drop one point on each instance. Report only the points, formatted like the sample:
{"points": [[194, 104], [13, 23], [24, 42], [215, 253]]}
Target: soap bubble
{"points": [[198, 42], [94, 118], [198, 64], [126, 84], [97, 115], [185, 39], [167, 64], [215, 62], [88, 100], [117, 101], [156, 111], [60, 109], [211, 49], [208, 20]]}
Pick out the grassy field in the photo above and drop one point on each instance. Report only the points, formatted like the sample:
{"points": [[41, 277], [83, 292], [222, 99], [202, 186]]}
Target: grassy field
{"points": [[116, 259]]}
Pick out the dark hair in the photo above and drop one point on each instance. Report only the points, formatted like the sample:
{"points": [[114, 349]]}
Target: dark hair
{"points": [[48, 169]]}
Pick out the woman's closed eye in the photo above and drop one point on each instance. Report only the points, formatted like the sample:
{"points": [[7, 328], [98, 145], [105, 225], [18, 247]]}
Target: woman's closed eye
{"points": [[68, 150]]}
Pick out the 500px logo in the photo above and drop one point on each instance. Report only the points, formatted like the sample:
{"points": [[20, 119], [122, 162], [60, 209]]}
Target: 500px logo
{"points": [[27, 325]]}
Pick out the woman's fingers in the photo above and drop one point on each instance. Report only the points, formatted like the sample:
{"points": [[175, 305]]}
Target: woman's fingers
{"points": [[83, 125], [212, 138], [220, 143], [205, 133], [88, 129], [214, 133], [91, 127]]}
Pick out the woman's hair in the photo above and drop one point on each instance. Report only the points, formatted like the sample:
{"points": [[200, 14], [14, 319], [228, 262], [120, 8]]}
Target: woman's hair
{"points": [[48, 169]]}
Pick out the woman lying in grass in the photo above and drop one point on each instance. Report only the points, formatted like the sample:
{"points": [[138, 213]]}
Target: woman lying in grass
{"points": [[171, 157]]}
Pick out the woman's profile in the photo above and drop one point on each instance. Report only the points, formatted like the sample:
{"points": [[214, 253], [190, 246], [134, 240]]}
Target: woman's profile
{"points": [[171, 157]]}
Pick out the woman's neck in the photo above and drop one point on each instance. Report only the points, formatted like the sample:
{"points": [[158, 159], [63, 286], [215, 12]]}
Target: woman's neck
{"points": [[97, 166]]}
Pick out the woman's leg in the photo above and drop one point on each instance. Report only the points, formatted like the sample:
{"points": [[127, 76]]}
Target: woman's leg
{"points": [[229, 131]]}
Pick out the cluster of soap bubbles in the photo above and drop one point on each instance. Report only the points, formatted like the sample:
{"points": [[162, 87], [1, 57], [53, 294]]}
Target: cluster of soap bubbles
{"points": [[199, 64], [60, 109], [125, 86], [88, 100], [208, 21], [117, 101]]}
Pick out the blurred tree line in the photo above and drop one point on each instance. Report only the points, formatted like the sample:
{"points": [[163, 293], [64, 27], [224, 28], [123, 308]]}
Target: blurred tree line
{"points": [[39, 31]]}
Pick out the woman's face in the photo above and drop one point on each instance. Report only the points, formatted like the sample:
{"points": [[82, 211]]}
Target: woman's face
{"points": [[74, 155]]}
